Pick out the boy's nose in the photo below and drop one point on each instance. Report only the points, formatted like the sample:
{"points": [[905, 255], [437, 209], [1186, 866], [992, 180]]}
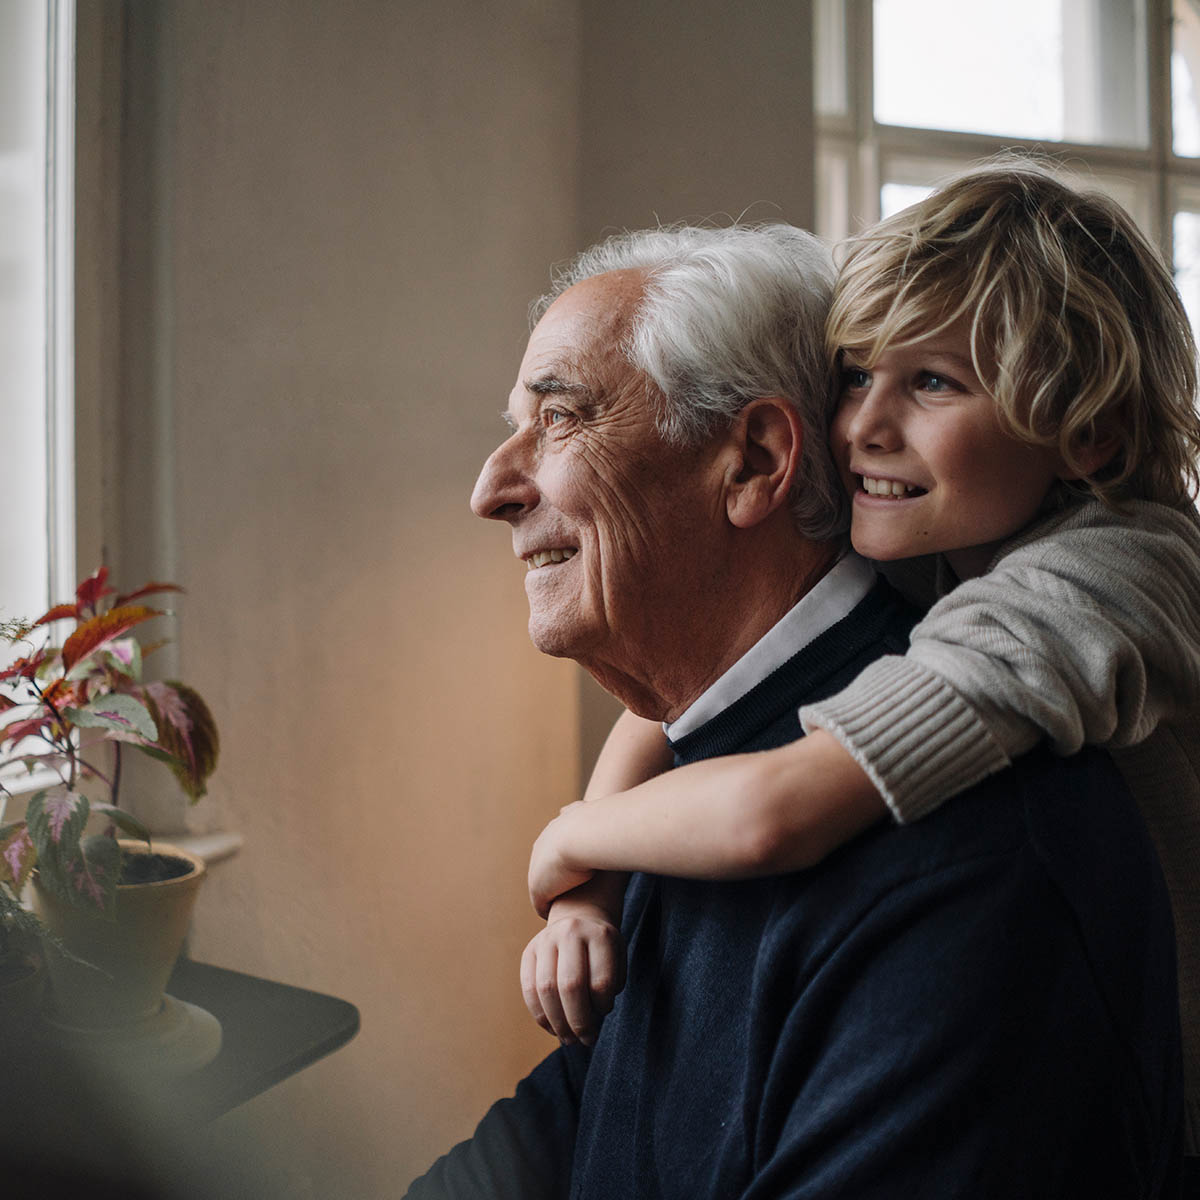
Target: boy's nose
{"points": [[872, 424], [504, 489]]}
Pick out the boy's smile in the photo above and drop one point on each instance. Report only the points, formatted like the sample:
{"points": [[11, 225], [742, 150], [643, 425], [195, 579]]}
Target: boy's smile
{"points": [[929, 467]]}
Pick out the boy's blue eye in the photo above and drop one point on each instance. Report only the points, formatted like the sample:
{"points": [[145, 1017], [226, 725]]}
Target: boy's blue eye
{"points": [[855, 377], [935, 383]]}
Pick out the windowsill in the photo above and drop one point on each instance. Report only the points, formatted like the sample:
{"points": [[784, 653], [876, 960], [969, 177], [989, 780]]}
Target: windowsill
{"points": [[212, 847]]}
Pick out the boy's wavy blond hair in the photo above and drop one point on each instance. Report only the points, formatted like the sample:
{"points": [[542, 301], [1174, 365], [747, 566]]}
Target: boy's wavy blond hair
{"points": [[1076, 328]]}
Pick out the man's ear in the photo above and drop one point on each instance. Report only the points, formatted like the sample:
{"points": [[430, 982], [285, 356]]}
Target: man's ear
{"points": [[765, 444]]}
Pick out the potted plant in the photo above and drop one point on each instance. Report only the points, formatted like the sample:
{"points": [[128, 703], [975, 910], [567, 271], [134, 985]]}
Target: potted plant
{"points": [[72, 707]]}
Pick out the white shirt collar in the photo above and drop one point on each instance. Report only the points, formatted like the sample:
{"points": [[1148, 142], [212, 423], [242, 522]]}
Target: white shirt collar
{"points": [[833, 597]]}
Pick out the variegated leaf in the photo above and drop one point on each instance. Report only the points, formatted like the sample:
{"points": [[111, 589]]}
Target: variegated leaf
{"points": [[56, 822], [125, 656], [56, 818], [124, 821], [187, 732], [17, 855], [96, 870], [116, 710]]}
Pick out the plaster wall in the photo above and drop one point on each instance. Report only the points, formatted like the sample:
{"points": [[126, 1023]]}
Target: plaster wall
{"points": [[362, 198]]}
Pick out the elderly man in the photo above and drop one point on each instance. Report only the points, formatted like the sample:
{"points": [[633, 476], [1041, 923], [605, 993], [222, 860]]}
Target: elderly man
{"points": [[981, 1004]]}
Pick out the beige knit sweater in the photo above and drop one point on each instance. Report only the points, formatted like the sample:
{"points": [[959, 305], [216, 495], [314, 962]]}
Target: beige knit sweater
{"points": [[1085, 630]]}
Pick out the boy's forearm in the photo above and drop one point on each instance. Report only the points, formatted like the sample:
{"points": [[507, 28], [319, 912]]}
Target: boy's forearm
{"points": [[603, 896], [635, 750], [729, 818]]}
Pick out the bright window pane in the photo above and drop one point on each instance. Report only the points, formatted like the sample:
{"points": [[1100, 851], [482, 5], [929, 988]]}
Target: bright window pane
{"points": [[24, 547], [1185, 77], [896, 196], [1187, 263], [1062, 70]]}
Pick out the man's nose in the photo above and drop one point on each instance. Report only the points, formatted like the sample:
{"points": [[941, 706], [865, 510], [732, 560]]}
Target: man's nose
{"points": [[504, 489], [873, 421]]}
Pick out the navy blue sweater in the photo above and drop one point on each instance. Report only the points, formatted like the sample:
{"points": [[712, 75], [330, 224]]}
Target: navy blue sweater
{"points": [[980, 1004]]}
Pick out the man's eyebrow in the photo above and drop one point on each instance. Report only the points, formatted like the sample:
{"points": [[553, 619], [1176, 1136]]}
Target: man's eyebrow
{"points": [[552, 385]]}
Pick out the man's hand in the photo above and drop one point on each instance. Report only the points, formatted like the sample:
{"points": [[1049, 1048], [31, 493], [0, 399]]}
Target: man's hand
{"points": [[572, 971], [550, 876]]}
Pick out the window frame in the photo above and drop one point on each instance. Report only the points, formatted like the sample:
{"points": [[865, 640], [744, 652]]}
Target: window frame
{"points": [[869, 149]]}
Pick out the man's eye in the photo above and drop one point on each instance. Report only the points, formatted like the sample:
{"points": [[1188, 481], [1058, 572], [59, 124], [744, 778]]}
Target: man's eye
{"points": [[554, 416]]}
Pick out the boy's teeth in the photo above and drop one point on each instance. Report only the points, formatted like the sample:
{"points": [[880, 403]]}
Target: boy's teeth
{"points": [[886, 487], [542, 557]]}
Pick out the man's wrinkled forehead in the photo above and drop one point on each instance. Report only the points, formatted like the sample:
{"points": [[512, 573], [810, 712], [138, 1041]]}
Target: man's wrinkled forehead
{"points": [[582, 333]]}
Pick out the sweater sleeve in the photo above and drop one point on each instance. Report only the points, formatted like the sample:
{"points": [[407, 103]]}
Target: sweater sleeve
{"points": [[1086, 630]]}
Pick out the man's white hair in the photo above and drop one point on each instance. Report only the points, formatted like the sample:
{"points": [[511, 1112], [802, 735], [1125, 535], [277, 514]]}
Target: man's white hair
{"points": [[729, 316]]}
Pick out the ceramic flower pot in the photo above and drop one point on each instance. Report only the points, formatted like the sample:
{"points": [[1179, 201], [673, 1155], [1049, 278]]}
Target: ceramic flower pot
{"points": [[124, 959]]}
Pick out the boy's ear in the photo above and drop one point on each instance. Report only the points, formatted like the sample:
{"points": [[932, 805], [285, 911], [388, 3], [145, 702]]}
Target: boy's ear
{"points": [[1092, 456], [764, 454]]}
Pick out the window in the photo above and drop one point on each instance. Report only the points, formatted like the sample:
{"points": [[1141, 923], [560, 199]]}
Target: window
{"points": [[36, 303], [1110, 87], [37, 533]]}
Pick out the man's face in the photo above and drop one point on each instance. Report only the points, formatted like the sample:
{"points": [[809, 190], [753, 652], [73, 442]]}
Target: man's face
{"points": [[608, 518]]}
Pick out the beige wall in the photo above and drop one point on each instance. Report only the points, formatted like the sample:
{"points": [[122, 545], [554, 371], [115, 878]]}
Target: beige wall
{"points": [[331, 219]]}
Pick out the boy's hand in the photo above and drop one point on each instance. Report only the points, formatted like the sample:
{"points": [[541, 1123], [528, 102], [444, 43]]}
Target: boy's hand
{"points": [[549, 874], [572, 971]]}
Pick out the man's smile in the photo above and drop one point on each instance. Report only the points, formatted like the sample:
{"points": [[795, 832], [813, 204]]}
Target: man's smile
{"points": [[540, 558]]}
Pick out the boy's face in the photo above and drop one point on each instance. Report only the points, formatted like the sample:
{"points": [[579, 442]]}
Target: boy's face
{"points": [[930, 469]]}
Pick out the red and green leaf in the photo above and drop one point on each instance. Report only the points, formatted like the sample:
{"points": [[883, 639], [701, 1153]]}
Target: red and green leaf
{"points": [[60, 612], [17, 855], [24, 668], [18, 731], [60, 693], [98, 631], [186, 732], [148, 589], [89, 592]]}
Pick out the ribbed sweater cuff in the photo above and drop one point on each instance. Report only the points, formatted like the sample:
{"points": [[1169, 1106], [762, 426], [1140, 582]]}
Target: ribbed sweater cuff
{"points": [[916, 738]]}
